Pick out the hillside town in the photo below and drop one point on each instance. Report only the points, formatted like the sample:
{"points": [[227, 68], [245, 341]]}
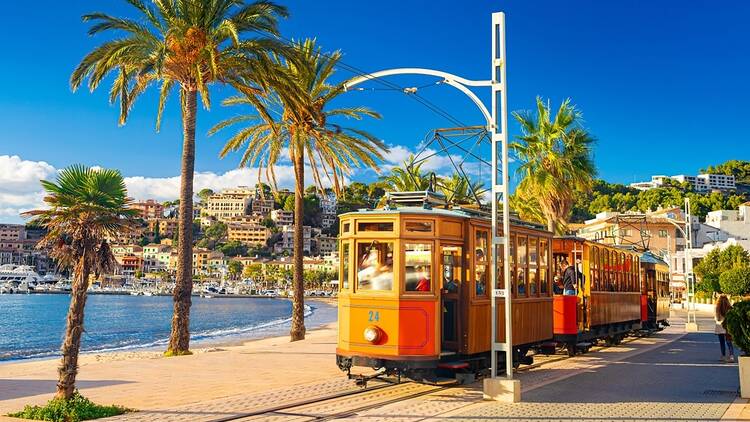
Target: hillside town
{"points": [[241, 233], [245, 233]]}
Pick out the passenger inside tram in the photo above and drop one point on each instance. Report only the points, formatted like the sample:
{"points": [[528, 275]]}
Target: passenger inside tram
{"points": [[418, 267]]}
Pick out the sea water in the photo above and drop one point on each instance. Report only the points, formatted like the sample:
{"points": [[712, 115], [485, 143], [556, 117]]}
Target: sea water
{"points": [[32, 326]]}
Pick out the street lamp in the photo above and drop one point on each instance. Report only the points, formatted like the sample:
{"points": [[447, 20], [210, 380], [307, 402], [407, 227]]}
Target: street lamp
{"points": [[495, 388], [691, 325]]}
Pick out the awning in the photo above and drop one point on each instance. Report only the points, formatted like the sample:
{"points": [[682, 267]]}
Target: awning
{"points": [[677, 284]]}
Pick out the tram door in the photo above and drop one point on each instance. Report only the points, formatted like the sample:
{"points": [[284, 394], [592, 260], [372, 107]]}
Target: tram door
{"points": [[451, 263]]}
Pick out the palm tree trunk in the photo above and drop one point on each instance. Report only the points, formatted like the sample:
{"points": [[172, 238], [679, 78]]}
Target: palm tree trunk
{"points": [[298, 306], [179, 339], [552, 224], [66, 383]]}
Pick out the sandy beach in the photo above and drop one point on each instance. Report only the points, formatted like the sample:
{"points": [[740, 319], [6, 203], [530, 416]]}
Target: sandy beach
{"points": [[144, 379]]}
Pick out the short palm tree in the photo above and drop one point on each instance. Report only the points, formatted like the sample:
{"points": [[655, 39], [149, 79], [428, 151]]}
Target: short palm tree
{"points": [[556, 159], [305, 127], [185, 45], [85, 206], [460, 190], [407, 178]]}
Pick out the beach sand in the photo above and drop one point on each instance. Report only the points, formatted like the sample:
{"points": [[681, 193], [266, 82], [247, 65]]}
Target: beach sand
{"points": [[146, 380]]}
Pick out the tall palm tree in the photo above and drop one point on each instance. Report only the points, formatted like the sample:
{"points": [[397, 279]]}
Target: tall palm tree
{"points": [[408, 177], [306, 128], [185, 45], [460, 190], [85, 206], [556, 159]]}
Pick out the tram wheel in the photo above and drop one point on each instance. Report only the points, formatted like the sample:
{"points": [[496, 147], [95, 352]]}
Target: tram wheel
{"points": [[572, 349], [609, 341]]}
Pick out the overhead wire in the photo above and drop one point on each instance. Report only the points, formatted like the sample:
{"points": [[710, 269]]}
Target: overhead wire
{"points": [[425, 102]]}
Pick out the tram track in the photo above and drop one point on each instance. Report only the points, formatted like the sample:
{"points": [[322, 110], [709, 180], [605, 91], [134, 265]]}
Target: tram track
{"points": [[338, 405], [347, 404]]}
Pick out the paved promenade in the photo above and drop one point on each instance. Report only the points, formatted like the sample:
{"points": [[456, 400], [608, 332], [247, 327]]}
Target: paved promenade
{"points": [[671, 376]]}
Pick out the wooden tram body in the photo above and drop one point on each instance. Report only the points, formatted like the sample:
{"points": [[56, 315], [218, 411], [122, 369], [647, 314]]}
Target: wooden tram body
{"points": [[655, 301], [415, 289], [608, 301]]}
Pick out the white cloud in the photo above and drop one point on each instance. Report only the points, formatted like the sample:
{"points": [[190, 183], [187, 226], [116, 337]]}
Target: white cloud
{"points": [[21, 191], [19, 185]]}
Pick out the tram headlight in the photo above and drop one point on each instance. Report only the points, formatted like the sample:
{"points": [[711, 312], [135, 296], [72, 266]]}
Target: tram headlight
{"points": [[372, 334]]}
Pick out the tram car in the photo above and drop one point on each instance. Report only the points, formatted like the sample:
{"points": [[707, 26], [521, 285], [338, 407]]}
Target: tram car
{"points": [[654, 292], [415, 287], [607, 304]]}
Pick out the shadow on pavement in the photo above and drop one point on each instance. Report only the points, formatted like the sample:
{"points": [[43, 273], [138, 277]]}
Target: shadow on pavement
{"points": [[15, 388]]}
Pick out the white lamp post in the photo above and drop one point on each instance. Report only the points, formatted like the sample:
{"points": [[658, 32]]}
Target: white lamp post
{"points": [[495, 388]]}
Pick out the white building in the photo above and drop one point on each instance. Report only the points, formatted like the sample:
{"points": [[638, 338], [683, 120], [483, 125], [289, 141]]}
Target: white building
{"points": [[282, 218], [286, 243], [733, 223], [700, 183], [328, 208], [228, 204]]}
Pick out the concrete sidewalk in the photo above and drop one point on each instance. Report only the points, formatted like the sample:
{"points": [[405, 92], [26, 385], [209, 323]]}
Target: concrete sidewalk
{"points": [[682, 380]]}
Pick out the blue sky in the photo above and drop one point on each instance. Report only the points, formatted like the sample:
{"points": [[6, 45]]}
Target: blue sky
{"points": [[662, 85]]}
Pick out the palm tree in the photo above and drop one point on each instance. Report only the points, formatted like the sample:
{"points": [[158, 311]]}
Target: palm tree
{"points": [[302, 97], [85, 206], [407, 178], [556, 159], [186, 45], [460, 190]]}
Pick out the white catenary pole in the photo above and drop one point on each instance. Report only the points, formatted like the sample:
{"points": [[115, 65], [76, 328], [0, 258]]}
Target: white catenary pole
{"points": [[692, 324], [497, 123]]}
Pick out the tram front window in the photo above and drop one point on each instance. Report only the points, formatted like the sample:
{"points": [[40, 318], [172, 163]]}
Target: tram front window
{"points": [[375, 266], [418, 267]]}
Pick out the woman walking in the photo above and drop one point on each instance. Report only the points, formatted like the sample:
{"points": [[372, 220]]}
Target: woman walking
{"points": [[725, 342]]}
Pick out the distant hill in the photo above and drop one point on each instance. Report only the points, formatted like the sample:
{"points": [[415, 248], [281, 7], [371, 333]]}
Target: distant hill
{"points": [[617, 197]]}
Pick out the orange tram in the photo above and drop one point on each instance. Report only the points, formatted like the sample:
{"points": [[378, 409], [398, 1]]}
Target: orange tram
{"points": [[414, 296]]}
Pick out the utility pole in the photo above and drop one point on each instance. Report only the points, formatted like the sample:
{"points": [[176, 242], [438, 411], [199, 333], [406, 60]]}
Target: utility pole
{"points": [[691, 325]]}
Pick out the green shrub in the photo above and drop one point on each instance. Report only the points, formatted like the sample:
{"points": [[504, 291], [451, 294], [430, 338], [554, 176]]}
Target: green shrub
{"points": [[78, 408], [738, 325], [735, 282]]}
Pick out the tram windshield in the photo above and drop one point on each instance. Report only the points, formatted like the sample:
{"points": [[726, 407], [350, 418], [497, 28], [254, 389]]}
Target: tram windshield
{"points": [[375, 266], [418, 265]]}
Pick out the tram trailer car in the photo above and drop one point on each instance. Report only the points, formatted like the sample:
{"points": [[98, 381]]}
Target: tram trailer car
{"points": [[655, 292], [607, 305], [414, 295]]}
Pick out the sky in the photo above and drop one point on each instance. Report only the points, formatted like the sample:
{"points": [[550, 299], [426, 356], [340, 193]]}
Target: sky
{"points": [[662, 86]]}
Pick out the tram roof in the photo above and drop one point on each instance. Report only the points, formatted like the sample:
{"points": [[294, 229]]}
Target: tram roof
{"points": [[445, 212], [649, 258]]}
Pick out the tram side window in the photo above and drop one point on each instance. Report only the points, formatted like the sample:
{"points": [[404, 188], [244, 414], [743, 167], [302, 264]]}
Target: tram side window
{"points": [[594, 268], [344, 265], [543, 268], [500, 283], [418, 226], [418, 267], [480, 262], [375, 266], [533, 263], [521, 266], [374, 227]]}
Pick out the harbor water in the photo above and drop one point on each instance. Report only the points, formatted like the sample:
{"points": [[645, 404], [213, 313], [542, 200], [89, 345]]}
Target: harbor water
{"points": [[32, 326]]}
